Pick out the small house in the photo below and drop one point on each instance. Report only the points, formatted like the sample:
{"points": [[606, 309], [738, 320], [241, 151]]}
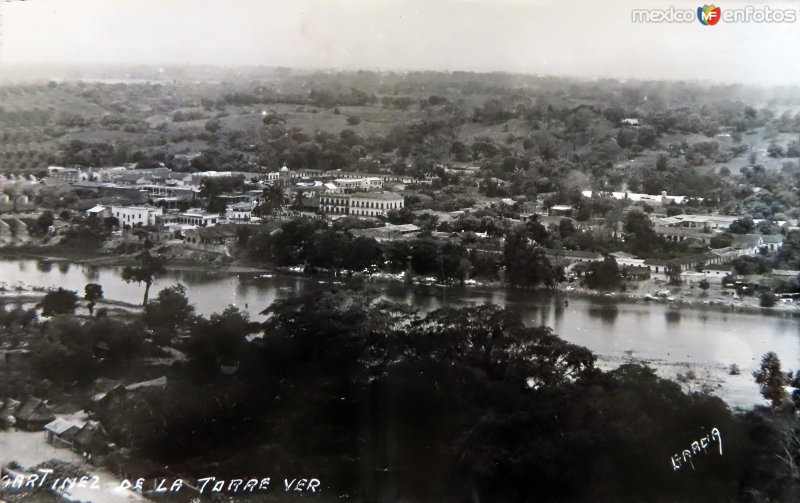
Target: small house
{"points": [[219, 239], [99, 212], [8, 409], [561, 210], [92, 439], [772, 242], [33, 414], [61, 432]]}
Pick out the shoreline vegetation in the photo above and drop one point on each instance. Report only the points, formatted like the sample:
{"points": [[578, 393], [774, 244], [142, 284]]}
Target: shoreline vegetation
{"points": [[710, 376], [93, 258]]}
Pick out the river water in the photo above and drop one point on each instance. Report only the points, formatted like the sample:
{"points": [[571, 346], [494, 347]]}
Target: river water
{"points": [[703, 340]]}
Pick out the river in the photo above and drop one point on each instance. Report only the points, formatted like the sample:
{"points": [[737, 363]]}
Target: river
{"points": [[702, 340]]}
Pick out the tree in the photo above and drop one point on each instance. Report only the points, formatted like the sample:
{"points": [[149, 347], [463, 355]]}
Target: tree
{"points": [[150, 267], [220, 340], [297, 202], [566, 228], [92, 292], [662, 162], [170, 309], [272, 199], [744, 225], [640, 236], [771, 379], [704, 284], [774, 150], [603, 275], [767, 299], [59, 301], [65, 352], [123, 340], [526, 264], [720, 240], [44, 221], [213, 125], [673, 270]]}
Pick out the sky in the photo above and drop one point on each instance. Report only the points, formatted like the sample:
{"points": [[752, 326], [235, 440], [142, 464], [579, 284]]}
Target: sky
{"points": [[586, 38]]}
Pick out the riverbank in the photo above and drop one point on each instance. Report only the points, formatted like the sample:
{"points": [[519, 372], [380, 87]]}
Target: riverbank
{"points": [[737, 389], [716, 298], [648, 291], [93, 257], [28, 296], [675, 337]]}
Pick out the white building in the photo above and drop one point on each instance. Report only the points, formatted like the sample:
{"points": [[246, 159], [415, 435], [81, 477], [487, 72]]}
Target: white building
{"points": [[658, 199], [334, 204], [707, 222], [359, 184], [136, 216], [70, 175], [199, 218], [373, 204], [241, 212], [361, 204], [98, 211]]}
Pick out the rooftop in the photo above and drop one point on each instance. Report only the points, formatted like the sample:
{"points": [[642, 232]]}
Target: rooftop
{"points": [[773, 238], [59, 425], [219, 231], [573, 253], [384, 196], [746, 241]]}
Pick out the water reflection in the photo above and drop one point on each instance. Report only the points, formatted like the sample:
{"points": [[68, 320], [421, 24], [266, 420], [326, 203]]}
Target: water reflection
{"points": [[602, 325], [606, 313], [558, 309], [672, 317], [92, 273], [63, 267], [197, 277]]}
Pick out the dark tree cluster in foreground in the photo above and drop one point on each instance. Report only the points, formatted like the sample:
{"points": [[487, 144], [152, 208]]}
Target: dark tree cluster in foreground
{"points": [[384, 404]]}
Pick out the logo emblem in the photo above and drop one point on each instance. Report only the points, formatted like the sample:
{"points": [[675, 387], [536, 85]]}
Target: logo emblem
{"points": [[708, 14]]}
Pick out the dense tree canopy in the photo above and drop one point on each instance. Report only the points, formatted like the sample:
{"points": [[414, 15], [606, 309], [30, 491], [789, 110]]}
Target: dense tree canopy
{"points": [[459, 403]]}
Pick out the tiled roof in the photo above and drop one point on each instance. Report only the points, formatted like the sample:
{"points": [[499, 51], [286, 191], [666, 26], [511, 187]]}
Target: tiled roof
{"points": [[741, 241]]}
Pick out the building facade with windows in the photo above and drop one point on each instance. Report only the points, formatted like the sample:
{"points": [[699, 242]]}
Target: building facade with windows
{"points": [[136, 216], [334, 204], [199, 218], [374, 204], [362, 204]]}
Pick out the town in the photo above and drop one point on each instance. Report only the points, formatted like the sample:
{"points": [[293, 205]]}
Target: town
{"points": [[404, 251], [214, 214]]}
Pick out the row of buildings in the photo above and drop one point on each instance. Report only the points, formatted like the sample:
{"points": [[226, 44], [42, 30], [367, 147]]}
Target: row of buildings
{"points": [[332, 193]]}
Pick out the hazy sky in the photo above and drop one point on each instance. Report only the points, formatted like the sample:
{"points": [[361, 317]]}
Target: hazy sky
{"points": [[579, 37]]}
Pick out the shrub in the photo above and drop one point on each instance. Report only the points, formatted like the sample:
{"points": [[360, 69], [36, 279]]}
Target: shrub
{"points": [[767, 299], [59, 301]]}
